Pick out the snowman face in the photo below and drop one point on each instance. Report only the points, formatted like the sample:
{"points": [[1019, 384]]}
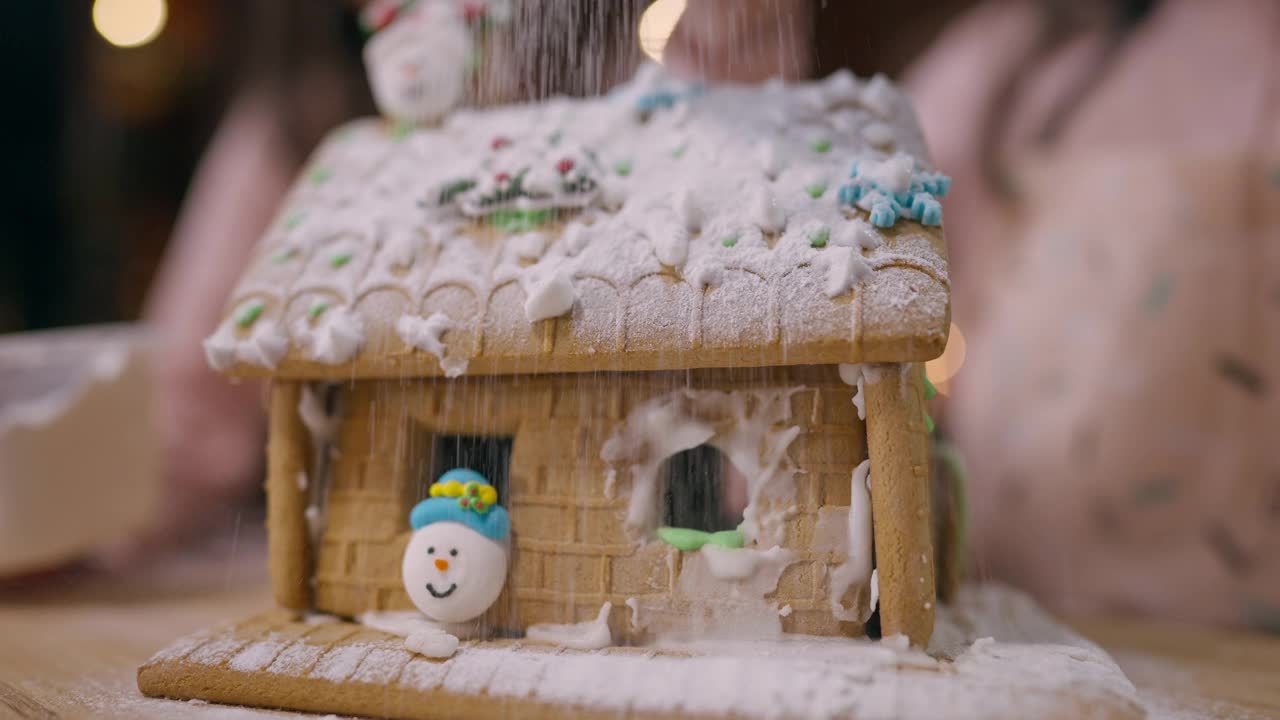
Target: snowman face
{"points": [[453, 573], [417, 66]]}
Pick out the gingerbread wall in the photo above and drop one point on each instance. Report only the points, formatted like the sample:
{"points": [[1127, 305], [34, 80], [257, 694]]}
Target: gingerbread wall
{"points": [[571, 552]]}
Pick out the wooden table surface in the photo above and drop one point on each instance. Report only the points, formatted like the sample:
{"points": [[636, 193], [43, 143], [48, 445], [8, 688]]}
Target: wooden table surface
{"points": [[70, 642]]}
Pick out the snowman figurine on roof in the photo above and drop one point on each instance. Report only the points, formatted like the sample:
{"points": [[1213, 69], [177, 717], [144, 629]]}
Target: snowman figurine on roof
{"points": [[422, 55], [456, 563]]}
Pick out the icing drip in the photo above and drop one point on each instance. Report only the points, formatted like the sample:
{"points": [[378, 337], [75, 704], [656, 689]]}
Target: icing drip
{"points": [[741, 563], [426, 335], [856, 573], [592, 635], [748, 426], [334, 338], [422, 636]]}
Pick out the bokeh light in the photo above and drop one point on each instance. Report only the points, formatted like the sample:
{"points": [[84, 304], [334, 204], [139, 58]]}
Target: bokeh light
{"points": [[129, 23], [942, 369], [656, 25]]}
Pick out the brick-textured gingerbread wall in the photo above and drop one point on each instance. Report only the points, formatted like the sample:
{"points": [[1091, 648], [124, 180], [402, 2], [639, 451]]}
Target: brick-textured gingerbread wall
{"points": [[571, 553]]}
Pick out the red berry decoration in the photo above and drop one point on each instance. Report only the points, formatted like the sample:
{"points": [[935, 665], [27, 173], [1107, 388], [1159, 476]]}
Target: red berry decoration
{"points": [[502, 177], [500, 142], [473, 11], [564, 166], [464, 502]]}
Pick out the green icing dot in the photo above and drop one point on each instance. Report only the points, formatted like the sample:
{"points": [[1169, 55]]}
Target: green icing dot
{"points": [[820, 237], [623, 168], [320, 176], [284, 256], [250, 314], [821, 146], [729, 240], [317, 310], [339, 260], [294, 220], [816, 191], [679, 152]]}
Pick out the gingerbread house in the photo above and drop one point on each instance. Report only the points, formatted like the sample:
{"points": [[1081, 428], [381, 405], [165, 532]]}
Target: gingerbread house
{"points": [[680, 330]]}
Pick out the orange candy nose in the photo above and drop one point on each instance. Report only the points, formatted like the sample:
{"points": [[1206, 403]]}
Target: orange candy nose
{"points": [[442, 564]]}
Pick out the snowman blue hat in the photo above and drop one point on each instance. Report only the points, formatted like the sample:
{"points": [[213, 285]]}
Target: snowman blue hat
{"points": [[465, 497]]}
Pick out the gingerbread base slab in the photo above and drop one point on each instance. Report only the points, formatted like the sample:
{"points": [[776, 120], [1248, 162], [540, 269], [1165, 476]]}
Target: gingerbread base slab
{"points": [[1034, 668]]}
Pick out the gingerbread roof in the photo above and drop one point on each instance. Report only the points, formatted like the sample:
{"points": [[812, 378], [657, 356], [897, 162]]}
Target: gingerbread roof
{"points": [[665, 226]]}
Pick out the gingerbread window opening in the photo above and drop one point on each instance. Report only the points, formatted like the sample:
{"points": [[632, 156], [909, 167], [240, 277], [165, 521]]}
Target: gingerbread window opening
{"points": [[489, 455], [702, 491]]}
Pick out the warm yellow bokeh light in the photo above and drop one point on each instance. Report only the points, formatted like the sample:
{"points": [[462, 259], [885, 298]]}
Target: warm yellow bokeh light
{"points": [[948, 364], [656, 25], [129, 23]]}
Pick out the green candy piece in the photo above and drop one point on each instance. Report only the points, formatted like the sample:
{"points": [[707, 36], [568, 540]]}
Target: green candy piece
{"points": [[729, 240], [687, 540], [930, 392], [517, 221], [338, 261], [679, 152], [816, 191], [623, 168], [317, 310], [819, 238], [250, 315], [821, 146], [731, 539], [401, 130], [683, 539], [321, 176]]}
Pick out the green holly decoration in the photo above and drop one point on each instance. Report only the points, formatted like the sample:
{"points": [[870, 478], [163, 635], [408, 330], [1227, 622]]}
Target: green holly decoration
{"points": [[514, 220], [679, 152], [453, 189]]}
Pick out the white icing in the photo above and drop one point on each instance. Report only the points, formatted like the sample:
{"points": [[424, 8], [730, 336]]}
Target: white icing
{"points": [[740, 563], [432, 643], [856, 233], [426, 335], [548, 293], [748, 426], [893, 174], [265, 344], [880, 96], [377, 198], [333, 338], [856, 374], [878, 134], [591, 635], [855, 573], [784, 611], [845, 268]]}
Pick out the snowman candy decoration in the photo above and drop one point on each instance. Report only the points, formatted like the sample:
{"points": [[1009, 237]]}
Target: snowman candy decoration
{"points": [[455, 565]]}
